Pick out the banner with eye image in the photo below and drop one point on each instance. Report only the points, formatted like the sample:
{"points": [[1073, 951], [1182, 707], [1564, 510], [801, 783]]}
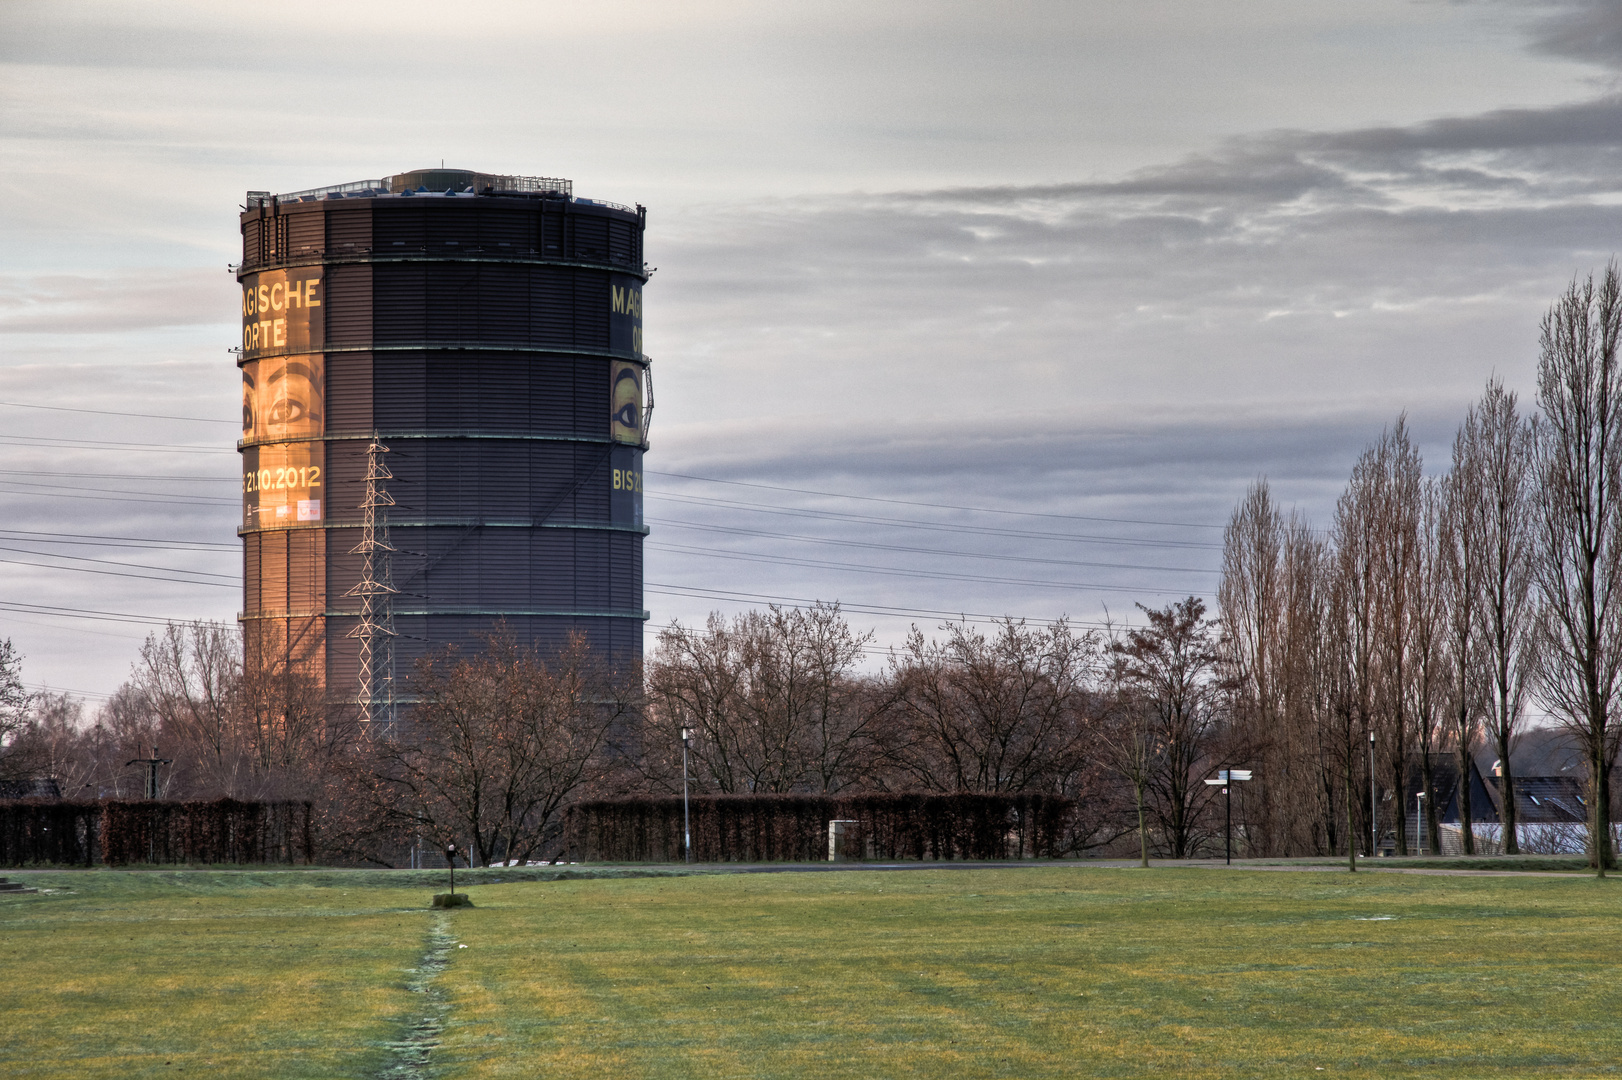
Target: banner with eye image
{"points": [[625, 399], [283, 398]]}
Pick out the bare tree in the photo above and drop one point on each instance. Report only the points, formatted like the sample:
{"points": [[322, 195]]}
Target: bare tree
{"points": [[774, 699], [124, 728], [289, 729], [54, 740], [1578, 564], [1396, 512], [1272, 596], [1170, 667], [1128, 737], [1431, 662], [696, 681], [1252, 598], [1356, 615], [1311, 663], [1461, 540], [1500, 450], [1002, 713], [190, 678], [14, 702], [499, 742]]}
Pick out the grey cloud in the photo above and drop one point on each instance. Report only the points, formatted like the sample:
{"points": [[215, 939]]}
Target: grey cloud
{"points": [[1589, 31], [136, 299]]}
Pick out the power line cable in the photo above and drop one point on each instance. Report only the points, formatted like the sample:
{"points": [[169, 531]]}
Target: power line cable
{"points": [[870, 546], [110, 412], [887, 611], [932, 526], [932, 505], [177, 545], [122, 476], [114, 562], [891, 571], [165, 496]]}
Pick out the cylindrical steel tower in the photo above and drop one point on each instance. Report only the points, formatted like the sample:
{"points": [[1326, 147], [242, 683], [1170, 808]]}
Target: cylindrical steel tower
{"points": [[487, 331]]}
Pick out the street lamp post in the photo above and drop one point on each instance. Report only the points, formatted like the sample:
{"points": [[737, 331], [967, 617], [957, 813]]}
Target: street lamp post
{"points": [[1374, 805], [686, 813], [1226, 778], [1419, 821]]}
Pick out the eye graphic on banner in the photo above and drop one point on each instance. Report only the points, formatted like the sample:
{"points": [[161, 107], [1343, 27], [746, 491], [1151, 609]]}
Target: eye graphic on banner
{"points": [[625, 397], [282, 399]]}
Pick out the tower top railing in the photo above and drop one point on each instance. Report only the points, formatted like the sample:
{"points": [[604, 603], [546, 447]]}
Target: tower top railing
{"points": [[430, 182]]}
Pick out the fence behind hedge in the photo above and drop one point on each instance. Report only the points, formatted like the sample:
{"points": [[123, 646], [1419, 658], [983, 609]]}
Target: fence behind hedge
{"points": [[116, 833], [794, 828]]}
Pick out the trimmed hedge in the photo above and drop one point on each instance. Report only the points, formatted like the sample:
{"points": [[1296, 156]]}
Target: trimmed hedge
{"points": [[117, 833], [794, 828]]}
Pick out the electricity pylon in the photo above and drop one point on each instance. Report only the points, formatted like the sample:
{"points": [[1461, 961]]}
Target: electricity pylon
{"points": [[375, 630]]}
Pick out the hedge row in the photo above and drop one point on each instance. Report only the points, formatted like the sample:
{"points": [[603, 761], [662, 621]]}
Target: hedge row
{"points": [[117, 833], [794, 828]]}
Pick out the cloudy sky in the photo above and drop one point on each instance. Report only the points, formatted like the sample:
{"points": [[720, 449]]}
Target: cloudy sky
{"points": [[961, 308]]}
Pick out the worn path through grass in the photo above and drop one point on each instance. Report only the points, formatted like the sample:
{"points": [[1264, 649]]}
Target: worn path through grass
{"points": [[1055, 971]]}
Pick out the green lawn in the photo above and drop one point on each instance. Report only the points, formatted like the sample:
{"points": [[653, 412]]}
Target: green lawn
{"points": [[1057, 971]]}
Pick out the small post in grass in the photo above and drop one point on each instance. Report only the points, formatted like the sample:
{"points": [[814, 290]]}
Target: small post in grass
{"points": [[1225, 780], [450, 899]]}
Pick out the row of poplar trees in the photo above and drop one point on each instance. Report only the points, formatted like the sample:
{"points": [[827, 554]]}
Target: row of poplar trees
{"points": [[1437, 609]]}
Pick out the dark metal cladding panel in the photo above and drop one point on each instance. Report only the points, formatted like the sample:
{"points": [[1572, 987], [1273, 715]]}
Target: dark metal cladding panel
{"points": [[503, 306], [400, 391], [306, 233], [452, 479], [252, 578], [349, 305], [625, 554], [449, 301], [453, 225], [343, 569], [590, 237], [398, 228], [551, 305], [343, 666], [398, 312], [349, 228], [306, 571], [505, 231], [272, 572], [346, 480], [349, 392], [553, 229], [591, 401], [591, 309], [503, 385], [591, 591], [622, 241], [252, 241]]}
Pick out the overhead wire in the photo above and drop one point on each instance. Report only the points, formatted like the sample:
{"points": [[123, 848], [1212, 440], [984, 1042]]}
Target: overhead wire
{"points": [[869, 545], [931, 526], [111, 412], [891, 571], [933, 505]]}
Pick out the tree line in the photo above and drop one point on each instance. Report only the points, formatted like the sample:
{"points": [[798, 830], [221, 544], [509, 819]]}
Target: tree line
{"points": [[1423, 622]]}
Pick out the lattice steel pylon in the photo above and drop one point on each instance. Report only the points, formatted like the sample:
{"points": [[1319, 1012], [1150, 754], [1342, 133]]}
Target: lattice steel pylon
{"points": [[375, 631]]}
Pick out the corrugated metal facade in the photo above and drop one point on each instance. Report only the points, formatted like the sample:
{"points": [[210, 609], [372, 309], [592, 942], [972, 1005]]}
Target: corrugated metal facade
{"points": [[484, 338]]}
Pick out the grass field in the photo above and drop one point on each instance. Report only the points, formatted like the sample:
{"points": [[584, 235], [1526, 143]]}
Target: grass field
{"points": [[1052, 971]]}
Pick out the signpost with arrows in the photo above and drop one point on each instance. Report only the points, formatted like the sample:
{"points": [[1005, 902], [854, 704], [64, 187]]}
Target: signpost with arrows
{"points": [[1225, 780]]}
